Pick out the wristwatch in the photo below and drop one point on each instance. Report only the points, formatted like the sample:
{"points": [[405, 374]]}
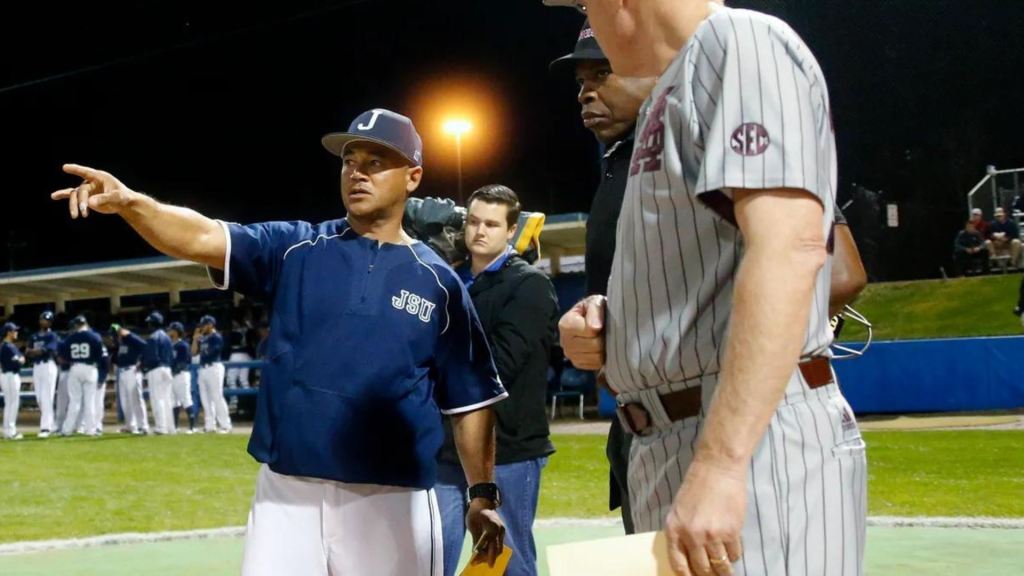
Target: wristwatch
{"points": [[487, 490]]}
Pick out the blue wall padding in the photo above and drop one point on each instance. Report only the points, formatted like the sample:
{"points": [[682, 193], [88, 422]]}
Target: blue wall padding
{"points": [[947, 375]]}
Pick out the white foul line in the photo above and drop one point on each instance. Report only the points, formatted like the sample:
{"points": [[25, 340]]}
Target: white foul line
{"points": [[238, 531]]}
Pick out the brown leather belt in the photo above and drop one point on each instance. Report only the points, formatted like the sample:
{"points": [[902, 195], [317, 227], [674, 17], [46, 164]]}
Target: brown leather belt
{"points": [[678, 405], [817, 371], [683, 404]]}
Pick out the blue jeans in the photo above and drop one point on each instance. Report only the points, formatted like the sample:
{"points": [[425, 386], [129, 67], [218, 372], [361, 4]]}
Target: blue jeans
{"points": [[519, 484]]}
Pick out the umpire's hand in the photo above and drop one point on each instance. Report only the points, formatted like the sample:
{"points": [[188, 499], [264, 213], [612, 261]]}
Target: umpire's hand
{"points": [[487, 530], [582, 333]]}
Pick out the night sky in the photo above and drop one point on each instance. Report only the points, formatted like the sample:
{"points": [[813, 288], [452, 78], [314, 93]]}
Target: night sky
{"points": [[221, 106]]}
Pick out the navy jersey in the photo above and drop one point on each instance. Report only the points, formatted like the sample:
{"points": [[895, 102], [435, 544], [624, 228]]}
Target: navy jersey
{"points": [[10, 358], [211, 347], [130, 350], [158, 351], [46, 342], [85, 347], [369, 344], [182, 356], [63, 355]]}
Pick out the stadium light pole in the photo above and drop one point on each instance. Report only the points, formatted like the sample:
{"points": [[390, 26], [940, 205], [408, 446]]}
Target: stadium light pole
{"points": [[457, 127]]}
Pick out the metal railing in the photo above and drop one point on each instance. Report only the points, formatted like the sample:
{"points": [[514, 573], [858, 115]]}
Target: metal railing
{"points": [[998, 189]]}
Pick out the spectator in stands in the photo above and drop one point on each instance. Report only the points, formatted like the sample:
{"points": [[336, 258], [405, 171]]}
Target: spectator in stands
{"points": [[1003, 238], [11, 361], [518, 310], [979, 222], [969, 252], [209, 345], [129, 382]]}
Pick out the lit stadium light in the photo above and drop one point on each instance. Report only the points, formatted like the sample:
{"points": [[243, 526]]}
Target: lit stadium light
{"points": [[457, 126]]}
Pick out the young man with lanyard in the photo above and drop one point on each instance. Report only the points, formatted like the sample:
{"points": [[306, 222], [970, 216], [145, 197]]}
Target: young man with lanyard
{"points": [[42, 351], [129, 384], [518, 310], [11, 361], [372, 338], [157, 358], [181, 385], [208, 344]]}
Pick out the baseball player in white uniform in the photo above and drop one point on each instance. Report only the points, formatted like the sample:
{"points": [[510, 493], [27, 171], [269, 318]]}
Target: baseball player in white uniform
{"points": [[11, 361], [42, 351], [86, 352], [209, 345], [181, 386], [129, 380], [717, 334], [63, 367]]}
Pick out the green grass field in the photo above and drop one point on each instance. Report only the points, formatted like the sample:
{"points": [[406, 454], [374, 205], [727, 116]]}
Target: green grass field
{"points": [[959, 307], [82, 487]]}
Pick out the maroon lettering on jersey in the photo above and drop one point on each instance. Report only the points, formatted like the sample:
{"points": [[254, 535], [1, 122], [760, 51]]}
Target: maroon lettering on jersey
{"points": [[750, 139], [647, 156]]}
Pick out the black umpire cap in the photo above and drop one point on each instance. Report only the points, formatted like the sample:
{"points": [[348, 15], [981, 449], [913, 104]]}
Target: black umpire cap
{"points": [[587, 48]]}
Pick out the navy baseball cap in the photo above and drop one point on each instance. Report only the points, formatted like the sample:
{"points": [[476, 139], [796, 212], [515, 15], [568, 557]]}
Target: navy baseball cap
{"points": [[208, 320], [155, 318], [383, 127], [8, 327], [46, 315], [177, 327], [79, 321], [586, 48]]}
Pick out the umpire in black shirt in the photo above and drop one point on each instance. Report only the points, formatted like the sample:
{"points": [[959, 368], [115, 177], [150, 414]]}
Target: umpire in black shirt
{"points": [[610, 106], [518, 310]]}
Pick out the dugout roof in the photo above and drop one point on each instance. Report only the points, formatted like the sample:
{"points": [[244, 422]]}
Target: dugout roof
{"points": [[563, 235]]}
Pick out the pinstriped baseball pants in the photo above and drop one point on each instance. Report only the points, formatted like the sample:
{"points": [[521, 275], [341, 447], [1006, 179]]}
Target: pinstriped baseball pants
{"points": [[806, 488]]}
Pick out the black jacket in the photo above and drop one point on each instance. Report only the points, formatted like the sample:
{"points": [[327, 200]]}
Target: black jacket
{"points": [[604, 214], [518, 310]]}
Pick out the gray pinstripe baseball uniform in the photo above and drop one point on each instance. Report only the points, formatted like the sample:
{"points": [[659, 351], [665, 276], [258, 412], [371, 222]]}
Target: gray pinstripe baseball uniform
{"points": [[743, 105]]}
